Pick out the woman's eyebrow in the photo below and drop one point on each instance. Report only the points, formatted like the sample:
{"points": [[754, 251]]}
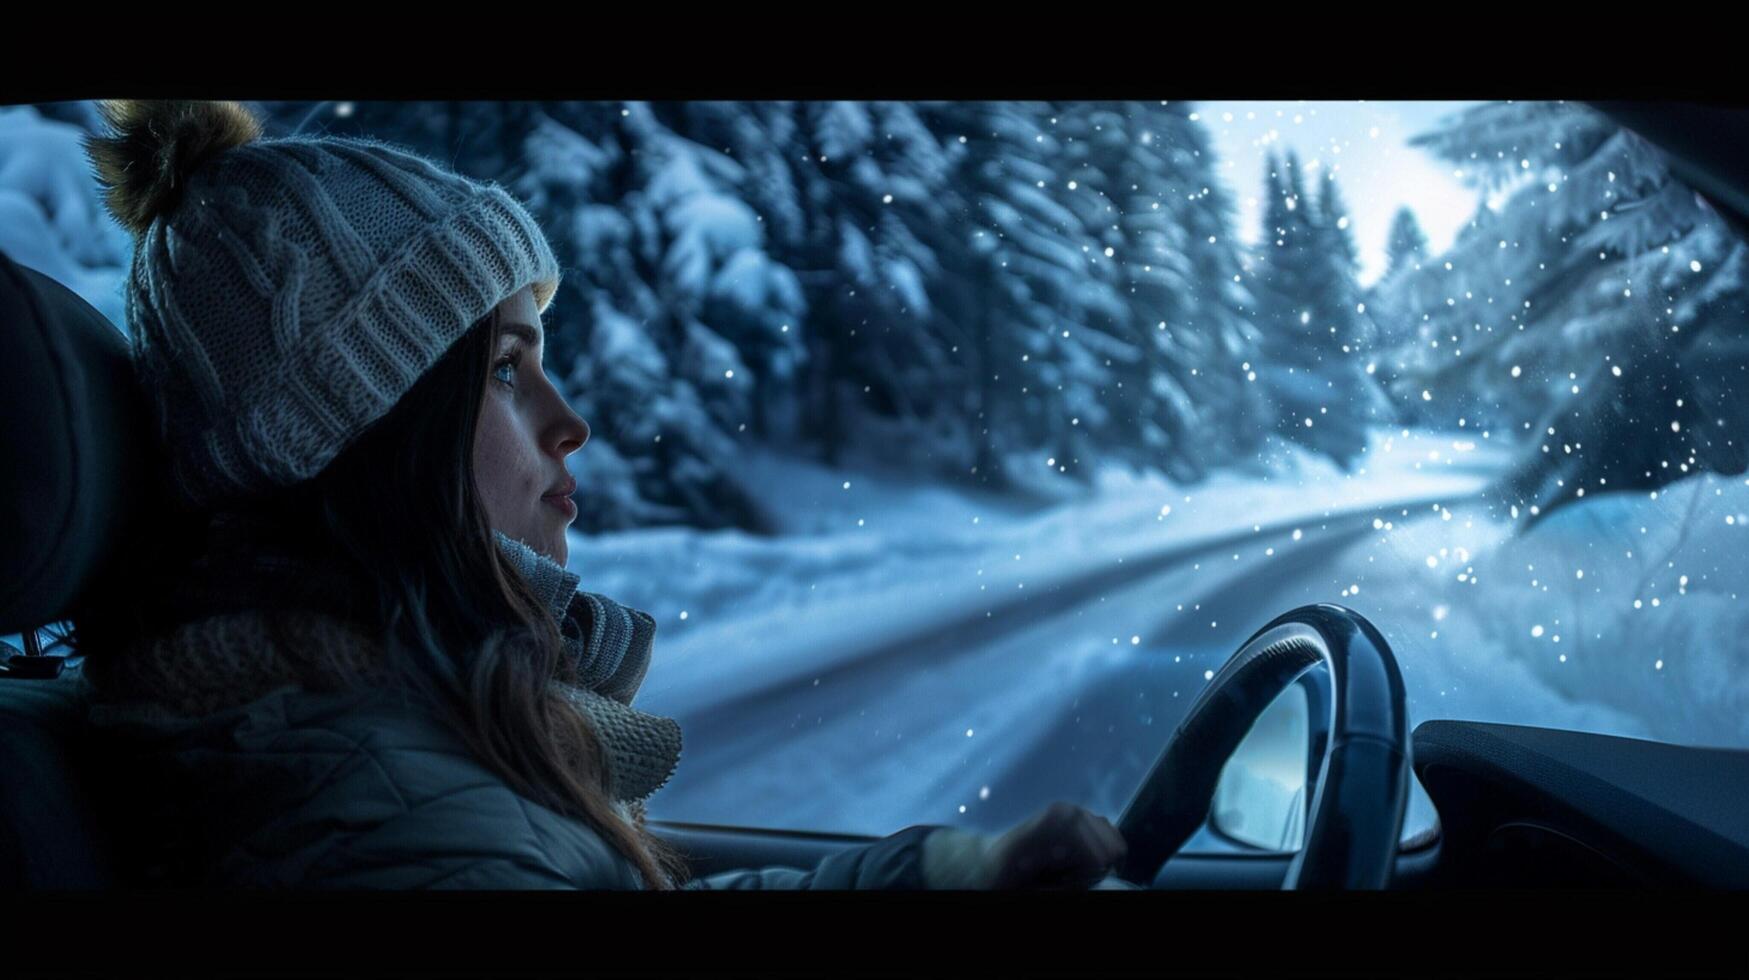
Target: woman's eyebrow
{"points": [[529, 335]]}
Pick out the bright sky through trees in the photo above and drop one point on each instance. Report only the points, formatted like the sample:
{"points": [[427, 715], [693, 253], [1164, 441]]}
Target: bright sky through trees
{"points": [[1365, 144]]}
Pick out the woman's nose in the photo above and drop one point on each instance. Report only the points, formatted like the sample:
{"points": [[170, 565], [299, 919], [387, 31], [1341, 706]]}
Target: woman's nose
{"points": [[573, 433]]}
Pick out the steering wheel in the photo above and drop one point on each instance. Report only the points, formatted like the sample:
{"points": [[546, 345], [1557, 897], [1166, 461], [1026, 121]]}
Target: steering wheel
{"points": [[1362, 785]]}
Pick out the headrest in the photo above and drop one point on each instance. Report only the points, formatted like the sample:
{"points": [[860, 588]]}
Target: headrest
{"points": [[75, 446]]}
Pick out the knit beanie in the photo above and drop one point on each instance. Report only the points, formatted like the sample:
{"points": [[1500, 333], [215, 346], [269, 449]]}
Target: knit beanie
{"points": [[285, 293]]}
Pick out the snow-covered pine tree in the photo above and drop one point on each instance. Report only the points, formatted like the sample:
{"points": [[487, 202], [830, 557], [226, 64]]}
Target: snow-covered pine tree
{"points": [[754, 299], [1341, 294], [1601, 315], [853, 196], [1341, 303], [1311, 371], [1175, 345], [1095, 366], [1389, 307], [1429, 310], [883, 365], [1330, 212], [1406, 244], [1016, 272]]}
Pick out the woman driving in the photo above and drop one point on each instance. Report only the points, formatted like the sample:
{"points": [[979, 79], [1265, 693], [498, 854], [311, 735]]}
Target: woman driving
{"points": [[365, 663]]}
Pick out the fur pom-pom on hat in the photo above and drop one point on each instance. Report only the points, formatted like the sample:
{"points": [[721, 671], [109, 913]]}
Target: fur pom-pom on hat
{"points": [[144, 163]]}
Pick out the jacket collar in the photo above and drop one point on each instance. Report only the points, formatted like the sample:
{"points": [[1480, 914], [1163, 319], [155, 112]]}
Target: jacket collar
{"points": [[609, 643], [552, 582]]}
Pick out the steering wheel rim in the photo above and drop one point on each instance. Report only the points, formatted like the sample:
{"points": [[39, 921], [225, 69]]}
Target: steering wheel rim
{"points": [[1362, 791]]}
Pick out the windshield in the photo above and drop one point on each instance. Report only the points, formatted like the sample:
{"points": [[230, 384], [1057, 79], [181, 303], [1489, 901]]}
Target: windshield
{"points": [[955, 446]]}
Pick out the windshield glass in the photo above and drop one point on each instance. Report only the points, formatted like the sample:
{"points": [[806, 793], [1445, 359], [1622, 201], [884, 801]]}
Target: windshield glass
{"points": [[954, 446]]}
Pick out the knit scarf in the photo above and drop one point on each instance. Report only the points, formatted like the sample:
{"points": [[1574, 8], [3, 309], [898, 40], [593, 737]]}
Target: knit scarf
{"points": [[229, 650], [610, 644]]}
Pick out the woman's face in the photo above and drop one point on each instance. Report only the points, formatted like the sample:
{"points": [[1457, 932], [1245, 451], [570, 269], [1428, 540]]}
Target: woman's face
{"points": [[525, 432]]}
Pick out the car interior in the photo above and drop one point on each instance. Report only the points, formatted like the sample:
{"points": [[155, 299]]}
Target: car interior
{"points": [[1518, 806]]}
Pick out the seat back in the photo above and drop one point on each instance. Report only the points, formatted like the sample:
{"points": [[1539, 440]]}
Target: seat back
{"points": [[78, 489], [51, 836]]}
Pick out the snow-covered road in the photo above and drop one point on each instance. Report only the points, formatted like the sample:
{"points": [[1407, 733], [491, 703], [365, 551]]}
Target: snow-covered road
{"points": [[984, 681]]}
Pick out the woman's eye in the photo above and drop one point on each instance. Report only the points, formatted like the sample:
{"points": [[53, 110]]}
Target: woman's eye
{"points": [[505, 372]]}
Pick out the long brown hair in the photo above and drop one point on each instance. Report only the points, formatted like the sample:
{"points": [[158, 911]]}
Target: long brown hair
{"points": [[400, 511]]}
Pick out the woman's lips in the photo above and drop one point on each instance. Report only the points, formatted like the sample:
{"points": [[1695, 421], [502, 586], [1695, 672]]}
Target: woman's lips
{"points": [[563, 503], [560, 497]]}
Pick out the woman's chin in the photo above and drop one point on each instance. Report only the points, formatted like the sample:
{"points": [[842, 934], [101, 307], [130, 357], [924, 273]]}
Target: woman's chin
{"points": [[545, 540], [555, 546]]}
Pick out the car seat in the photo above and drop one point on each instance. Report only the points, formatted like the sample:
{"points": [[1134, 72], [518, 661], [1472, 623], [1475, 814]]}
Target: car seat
{"points": [[78, 478]]}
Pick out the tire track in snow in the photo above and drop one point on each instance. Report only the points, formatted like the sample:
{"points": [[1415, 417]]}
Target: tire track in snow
{"points": [[1096, 749]]}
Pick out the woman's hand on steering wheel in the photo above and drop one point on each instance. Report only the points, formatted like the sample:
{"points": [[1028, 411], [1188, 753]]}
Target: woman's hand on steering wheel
{"points": [[1063, 846]]}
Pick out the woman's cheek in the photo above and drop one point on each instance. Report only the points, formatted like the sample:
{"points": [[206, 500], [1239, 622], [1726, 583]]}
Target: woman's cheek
{"points": [[490, 469]]}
